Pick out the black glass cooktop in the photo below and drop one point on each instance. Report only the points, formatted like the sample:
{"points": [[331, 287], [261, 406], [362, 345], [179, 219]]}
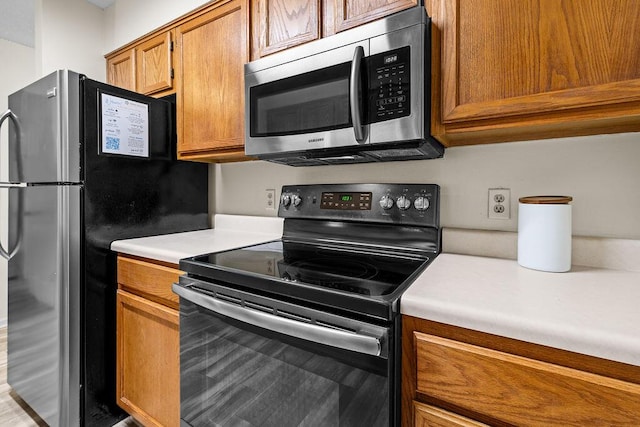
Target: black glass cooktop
{"points": [[356, 271]]}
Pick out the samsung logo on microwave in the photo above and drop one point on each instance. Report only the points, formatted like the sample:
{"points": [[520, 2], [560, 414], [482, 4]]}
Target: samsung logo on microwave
{"points": [[312, 140]]}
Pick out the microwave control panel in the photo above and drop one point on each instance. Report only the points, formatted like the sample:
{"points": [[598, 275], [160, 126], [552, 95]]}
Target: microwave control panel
{"points": [[389, 85]]}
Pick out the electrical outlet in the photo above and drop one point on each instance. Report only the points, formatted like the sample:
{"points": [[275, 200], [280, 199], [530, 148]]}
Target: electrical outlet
{"points": [[270, 199], [499, 203]]}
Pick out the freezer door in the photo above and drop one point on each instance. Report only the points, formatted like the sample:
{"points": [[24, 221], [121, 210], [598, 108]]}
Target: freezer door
{"points": [[45, 145], [44, 301]]}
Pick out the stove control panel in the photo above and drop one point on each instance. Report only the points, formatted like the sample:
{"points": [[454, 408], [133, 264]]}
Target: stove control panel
{"points": [[415, 204]]}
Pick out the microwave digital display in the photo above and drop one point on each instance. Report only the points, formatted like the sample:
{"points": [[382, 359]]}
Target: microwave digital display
{"points": [[391, 58], [389, 85]]}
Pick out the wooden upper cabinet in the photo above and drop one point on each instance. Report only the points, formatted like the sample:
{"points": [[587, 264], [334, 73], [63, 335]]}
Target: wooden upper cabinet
{"points": [[154, 64], [121, 69], [145, 66], [212, 51], [530, 69], [351, 13], [280, 24]]}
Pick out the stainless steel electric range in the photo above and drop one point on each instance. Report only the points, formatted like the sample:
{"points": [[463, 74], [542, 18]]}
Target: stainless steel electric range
{"points": [[305, 330]]}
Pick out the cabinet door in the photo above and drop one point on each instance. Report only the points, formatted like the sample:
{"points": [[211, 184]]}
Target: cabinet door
{"points": [[351, 13], [148, 360], [278, 25], [154, 64], [530, 69], [213, 49], [121, 70]]}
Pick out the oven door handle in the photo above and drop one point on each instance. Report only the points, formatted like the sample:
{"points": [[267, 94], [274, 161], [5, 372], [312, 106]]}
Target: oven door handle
{"points": [[307, 331]]}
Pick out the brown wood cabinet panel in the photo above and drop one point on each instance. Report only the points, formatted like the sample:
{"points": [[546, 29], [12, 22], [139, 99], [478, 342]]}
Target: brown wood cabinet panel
{"points": [[351, 13], [149, 279], [278, 24], [518, 390], [148, 367], [528, 69], [155, 64], [210, 97], [121, 70], [430, 416]]}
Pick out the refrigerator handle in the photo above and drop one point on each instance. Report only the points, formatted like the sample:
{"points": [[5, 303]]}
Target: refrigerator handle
{"points": [[8, 254], [10, 115]]}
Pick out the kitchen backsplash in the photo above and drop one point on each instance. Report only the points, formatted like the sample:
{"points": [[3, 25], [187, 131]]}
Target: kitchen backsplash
{"points": [[597, 252], [600, 172]]}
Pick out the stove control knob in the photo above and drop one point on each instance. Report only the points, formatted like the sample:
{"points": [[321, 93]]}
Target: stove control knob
{"points": [[296, 200], [285, 200], [403, 203], [421, 203], [386, 202]]}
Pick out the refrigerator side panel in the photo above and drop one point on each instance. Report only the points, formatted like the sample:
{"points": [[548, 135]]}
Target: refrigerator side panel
{"points": [[44, 148], [43, 330], [126, 197]]}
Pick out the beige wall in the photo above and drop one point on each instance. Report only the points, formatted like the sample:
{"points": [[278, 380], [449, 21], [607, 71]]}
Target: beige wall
{"points": [[70, 35], [601, 172], [126, 20], [18, 70]]}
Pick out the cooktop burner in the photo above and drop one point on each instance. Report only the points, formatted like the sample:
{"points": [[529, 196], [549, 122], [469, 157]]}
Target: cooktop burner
{"points": [[344, 247], [341, 269]]}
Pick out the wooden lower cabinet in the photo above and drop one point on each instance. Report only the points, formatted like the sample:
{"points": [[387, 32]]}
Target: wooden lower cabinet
{"points": [[466, 377], [148, 342], [430, 416]]}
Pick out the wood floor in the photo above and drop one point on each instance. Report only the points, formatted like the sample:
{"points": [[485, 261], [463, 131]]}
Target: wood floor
{"points": [[13, 411]]}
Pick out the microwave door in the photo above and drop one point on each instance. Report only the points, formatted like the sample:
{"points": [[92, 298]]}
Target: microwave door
{"points": [[305, 104]]}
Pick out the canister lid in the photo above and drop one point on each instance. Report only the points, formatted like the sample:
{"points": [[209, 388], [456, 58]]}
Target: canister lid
{"points": [[546, 200]]}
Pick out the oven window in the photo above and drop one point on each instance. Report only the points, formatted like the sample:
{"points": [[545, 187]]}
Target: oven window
{"points": [[310, 102], [233, 373]]}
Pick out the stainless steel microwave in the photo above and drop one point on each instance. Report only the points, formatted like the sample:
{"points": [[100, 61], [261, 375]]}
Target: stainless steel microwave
{"points": [[362, 95]]}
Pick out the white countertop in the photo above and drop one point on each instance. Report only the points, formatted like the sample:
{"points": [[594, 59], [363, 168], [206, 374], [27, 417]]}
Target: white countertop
{"points": [[588, 310], [229, 232]]}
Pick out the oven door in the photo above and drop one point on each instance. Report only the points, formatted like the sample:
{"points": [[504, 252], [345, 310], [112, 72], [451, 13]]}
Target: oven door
{"points": [[254, 361]]}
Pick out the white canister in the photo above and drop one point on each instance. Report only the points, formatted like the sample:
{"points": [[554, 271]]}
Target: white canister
{"points": [[544, 233]]}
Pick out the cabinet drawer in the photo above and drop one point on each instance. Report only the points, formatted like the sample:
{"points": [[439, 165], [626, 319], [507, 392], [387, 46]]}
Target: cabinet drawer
{"points": [[519, 390], [430, 416], [150, 280]]}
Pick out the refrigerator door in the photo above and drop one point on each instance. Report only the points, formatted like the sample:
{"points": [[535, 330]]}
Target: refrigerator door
{"points": [[44, 145], [44, 301]]}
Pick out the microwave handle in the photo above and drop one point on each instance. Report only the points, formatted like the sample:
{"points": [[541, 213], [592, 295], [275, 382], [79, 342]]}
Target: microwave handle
{"points": [[354, 94]]}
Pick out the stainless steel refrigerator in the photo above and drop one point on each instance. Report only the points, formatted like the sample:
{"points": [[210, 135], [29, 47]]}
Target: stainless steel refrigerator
{"points": [[88, 164]]}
